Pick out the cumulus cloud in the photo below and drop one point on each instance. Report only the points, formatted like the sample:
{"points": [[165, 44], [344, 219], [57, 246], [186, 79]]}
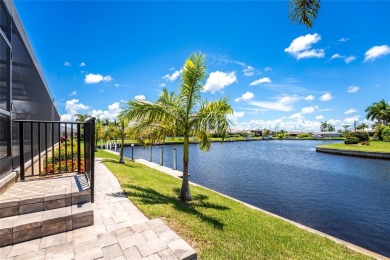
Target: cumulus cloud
{"points": [[139, 97], [309, 98], [260, 81], [353, 89], [249, 71], [349, 59], [309, 110], [319, 117], [72, 107], [218, 80], [74, 93], [67, 64], [173, 76], [82, 64], [326, 97], [246, 96], [111, 113], [301, 47], [376, 52], [350, 111], [96, 78]]}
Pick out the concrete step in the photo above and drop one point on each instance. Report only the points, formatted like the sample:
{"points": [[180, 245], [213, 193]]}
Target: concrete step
{"points": [[16, 229], [42, 195]]}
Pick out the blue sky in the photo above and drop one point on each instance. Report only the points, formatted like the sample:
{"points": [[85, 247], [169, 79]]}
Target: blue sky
{"points": [[96, 54]]}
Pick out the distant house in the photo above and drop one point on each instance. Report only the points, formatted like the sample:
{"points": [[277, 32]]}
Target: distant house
{"points": [[294, 134], [327, 134]]}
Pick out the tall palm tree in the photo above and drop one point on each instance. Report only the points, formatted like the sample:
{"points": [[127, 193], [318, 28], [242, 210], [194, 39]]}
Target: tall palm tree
{"points": [[379, 111], [182, 114], [324, 126], [304, 11]]}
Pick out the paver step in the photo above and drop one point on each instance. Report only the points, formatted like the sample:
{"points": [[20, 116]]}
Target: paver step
{"points": [[16, 229], [42, 195]]}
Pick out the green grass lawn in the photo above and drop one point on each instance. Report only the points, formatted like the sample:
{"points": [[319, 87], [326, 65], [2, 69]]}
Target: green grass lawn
{"points": [[216, 226], [375, 146]]}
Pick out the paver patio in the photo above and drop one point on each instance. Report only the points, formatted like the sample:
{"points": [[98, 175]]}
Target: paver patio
{"points": [[120, 231]]}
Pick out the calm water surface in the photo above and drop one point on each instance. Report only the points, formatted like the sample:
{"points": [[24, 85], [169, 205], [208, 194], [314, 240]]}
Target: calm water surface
{"points": [[346, 197]]}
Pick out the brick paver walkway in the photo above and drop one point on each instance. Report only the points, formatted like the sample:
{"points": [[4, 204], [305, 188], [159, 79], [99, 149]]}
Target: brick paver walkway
{"points": [[120, 231]]}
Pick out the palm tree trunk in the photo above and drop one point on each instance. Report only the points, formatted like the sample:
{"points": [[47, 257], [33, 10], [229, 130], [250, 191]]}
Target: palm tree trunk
{"points": [[185, 193], [121, 160]]}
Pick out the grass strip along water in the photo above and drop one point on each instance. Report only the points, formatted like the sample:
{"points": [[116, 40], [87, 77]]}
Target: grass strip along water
{"points": [[216, 226], [374, 147]]}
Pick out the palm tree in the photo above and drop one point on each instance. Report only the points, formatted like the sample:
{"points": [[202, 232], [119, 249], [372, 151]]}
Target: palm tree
{"points": [[379, 111], [123, 131], [362, 126], [183, 113], [324, 126], [81, 117], [304, 11], [330, 128]]}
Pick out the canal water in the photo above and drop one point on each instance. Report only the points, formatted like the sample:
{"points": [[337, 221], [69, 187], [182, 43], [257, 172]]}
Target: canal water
{"points": [[346, 197]]}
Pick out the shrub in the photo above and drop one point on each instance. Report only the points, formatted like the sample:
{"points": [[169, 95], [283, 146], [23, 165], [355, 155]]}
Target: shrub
{"points": [[362, 136], [386, 134], [351, 140], [365, 143]]}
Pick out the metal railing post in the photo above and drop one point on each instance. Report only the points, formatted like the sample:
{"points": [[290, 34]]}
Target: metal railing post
{"points": [[21, 150], [174, 159], [150, 153], [78, 148]]}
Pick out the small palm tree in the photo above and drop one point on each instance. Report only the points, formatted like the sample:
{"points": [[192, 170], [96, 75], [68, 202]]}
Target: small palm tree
{"points": [[362, 126], [379, 111], [183, 114], [81, 117], [123, 131], [304, 11], [330, 128]]}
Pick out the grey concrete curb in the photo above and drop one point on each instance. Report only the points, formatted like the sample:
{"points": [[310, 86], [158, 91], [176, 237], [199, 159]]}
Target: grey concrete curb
{"points": [[385, 156]]}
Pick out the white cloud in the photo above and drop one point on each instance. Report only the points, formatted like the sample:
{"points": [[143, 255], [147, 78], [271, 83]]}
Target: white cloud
{"points": [[234, 118], [218, 80], [309, 110], [376, 52], [96, 78], [326, 97], [111, 114], [347, 60], [351, 120], [336, 56], [246, 96], [350, 111], [353, 89], [309, 98], [283, 103], [260, 81], [82, 64], [161, 85], [267, 69], [319, 117], [173, 76], [249, 71], [301, 47], [72, 107], [343, 39], [74, 93], [67, 64], [139, 97]]}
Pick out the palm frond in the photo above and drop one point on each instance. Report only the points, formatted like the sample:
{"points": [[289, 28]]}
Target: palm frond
{"points": [[304, 11], [193, 76]]}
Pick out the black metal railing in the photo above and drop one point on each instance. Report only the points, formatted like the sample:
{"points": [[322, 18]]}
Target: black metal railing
{"points": [[55, 147]]}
